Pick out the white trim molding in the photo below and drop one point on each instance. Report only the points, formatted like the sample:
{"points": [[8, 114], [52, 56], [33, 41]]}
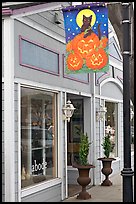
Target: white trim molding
{"points": [[113, 33], [36, 9], [39, 187], [19, 142], [111, 80], [49, 87], [37, 27], [9, 134], [60, 143]]}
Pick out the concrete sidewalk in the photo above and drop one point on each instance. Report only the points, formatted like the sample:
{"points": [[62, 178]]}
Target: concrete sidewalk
{"points": [[104, 193]]}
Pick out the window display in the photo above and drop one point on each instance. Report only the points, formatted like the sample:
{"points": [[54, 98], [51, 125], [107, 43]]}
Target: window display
{"points": [[38, 136], [111, 125]]}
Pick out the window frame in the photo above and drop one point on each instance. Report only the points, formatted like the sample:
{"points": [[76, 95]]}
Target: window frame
{"points": [[47, 183], [21, 38]]}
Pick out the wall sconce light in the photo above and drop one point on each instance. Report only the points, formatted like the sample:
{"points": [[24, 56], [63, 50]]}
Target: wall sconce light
{"points": [[131, 114], [100, 114], [68, 110], [56, 19]]}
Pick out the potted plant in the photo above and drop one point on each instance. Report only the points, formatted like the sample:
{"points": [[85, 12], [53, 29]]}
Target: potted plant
{"points": [[83, 166], [106, 160]]}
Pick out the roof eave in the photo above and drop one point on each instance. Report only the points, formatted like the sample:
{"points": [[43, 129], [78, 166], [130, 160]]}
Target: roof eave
{"points": [[24, 11]]}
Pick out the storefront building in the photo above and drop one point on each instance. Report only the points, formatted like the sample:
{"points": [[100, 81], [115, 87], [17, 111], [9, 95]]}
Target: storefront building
{"points": [[39, 145]]}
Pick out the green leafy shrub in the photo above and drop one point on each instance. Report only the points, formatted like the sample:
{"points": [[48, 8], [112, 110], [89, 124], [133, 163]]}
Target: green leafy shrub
{"points": [[84, 149], [107, 145]]}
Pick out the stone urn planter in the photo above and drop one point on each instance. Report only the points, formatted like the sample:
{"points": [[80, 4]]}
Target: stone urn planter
{"points": [[83, 167], [106, 161], [106, 170], [83, 180]]}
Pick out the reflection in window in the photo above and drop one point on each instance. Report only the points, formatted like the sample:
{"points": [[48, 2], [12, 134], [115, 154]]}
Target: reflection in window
{"points": [[111, 125], [38, 136], [75, 127]]}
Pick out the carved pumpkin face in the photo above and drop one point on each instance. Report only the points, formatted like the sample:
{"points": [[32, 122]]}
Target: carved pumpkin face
{"points": [[84, 48], [71, 45], [86, 45], [74, 61], [93, 39], [97, 59]]}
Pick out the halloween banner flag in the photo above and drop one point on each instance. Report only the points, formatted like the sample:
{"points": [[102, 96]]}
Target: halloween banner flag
{"points": [[86, 30]]}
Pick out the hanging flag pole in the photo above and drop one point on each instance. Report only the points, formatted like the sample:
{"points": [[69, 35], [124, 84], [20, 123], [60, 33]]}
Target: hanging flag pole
{"points": [[127, 172]]}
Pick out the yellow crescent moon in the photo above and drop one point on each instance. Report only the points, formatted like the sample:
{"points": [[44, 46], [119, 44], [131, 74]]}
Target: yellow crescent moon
{"points": [[87, 13]]}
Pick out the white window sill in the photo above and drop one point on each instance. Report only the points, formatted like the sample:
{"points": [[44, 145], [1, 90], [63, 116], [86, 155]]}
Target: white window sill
{"points": [[40, 187]]}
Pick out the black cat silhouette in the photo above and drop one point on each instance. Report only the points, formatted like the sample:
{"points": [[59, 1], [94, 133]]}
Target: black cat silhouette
{"points": [[86, 27]]}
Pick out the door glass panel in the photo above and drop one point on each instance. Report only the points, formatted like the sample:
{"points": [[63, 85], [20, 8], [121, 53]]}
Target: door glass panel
{"points": [[75, 126], [111, 126]]}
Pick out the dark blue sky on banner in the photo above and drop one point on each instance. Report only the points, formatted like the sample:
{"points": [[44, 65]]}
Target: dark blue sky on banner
{"points": [[72, 28]]}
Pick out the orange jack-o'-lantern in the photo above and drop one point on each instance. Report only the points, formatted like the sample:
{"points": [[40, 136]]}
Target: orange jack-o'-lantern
{"points": [[97, 59], [74, 61], [76, 39], [93, 39], [85, 45]]}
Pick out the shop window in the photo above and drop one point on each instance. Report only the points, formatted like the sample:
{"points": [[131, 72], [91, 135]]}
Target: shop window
{"points": [[38, 136], [75, 127], [111, 126]]}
